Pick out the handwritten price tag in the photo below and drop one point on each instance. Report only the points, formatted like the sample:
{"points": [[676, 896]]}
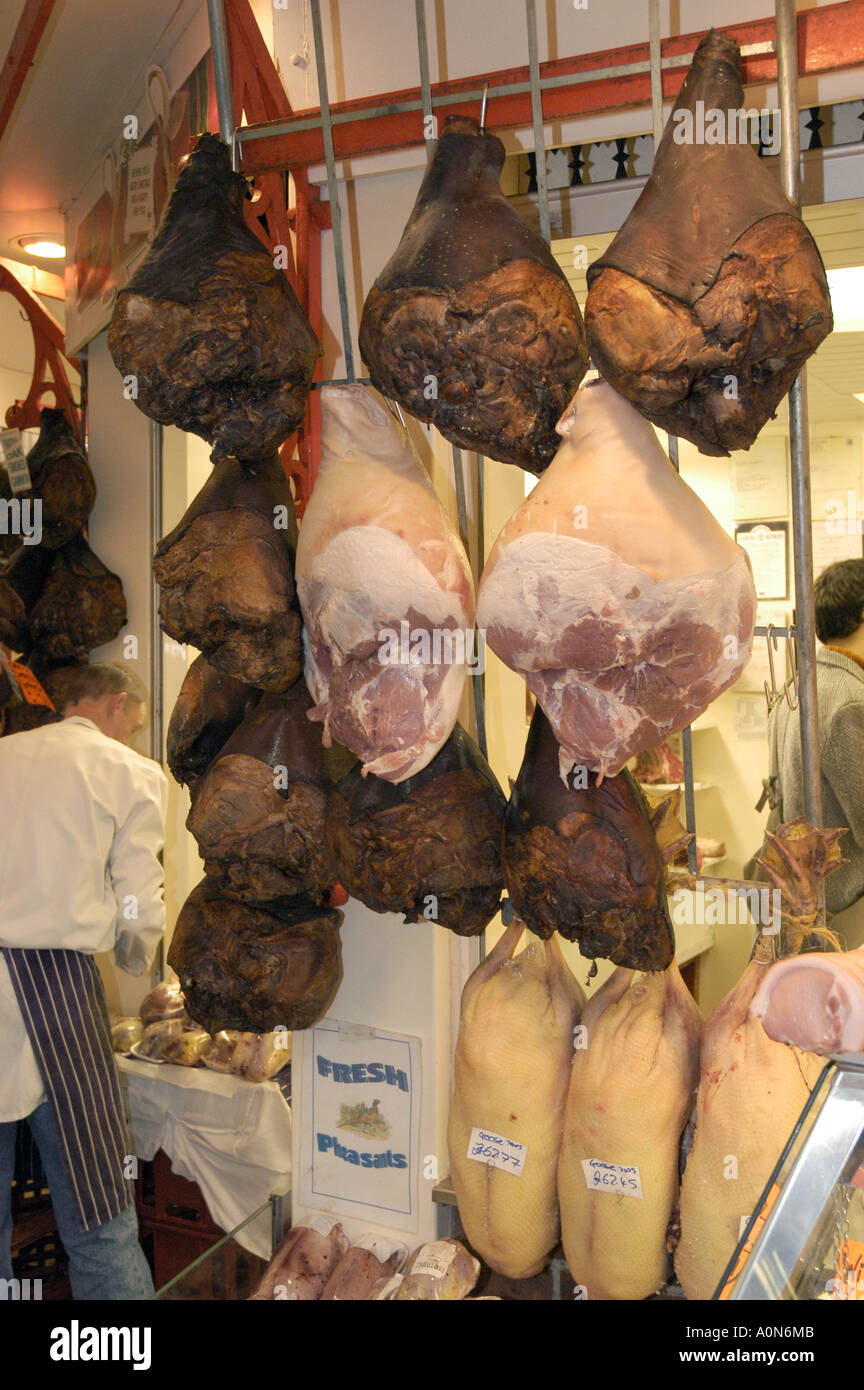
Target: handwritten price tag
{"points": [[497, 1151], [621, 1179], [15, 460]]}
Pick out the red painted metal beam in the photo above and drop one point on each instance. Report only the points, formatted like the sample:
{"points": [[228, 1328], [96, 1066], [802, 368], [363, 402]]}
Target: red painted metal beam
{"points": [[830, 38], [22, 49], [49, 373]]}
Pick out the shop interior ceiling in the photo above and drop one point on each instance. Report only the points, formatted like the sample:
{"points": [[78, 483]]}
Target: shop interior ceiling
{"points": [[89, 48]]}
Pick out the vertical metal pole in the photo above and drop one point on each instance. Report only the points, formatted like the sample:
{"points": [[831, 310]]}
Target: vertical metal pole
{"points": [[799, 443], [425, 88], [221, 69], [332, 189], [480, 677], [157, 718], [537, 113], [655, 52], [462, 511]]}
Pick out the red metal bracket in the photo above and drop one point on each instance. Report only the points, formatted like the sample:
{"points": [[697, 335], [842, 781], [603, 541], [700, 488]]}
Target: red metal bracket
{"points": [[13, 74], [259, 95], [49, 373], [830, 38]]}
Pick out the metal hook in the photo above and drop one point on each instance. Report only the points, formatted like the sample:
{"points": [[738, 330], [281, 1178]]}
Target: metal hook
{"points": [[483, 106], [393, 407], [235, 146], [792, 658], [771, 693]]}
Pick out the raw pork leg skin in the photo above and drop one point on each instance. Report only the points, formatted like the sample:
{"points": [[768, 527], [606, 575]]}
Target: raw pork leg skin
{"points": [[512, 1068], [815, 1001], [614, 592], [377, 551], [712, 296], [751, 1092], [472, 324], [631, 1087]]}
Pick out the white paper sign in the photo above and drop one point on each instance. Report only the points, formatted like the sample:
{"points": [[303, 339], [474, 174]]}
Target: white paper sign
{"points": [[15, 460], [759, 480], [621, 1179], [139, 192], [497, 1151], [360, 1100], [435, 1259]]}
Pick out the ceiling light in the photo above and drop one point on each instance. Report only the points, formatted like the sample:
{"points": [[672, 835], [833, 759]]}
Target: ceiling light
{"points": [[847, 298], [859, 396], [42, 247]]}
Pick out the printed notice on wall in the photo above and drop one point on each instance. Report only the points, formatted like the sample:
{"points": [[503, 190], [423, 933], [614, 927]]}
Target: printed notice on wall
{"points": [[767, 544], [140, 215], [360, 1123], [759, 480]]}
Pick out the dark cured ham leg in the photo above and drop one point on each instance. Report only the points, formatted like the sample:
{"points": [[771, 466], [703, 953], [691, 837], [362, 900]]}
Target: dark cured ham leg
{"points": [[226, 573], [472, 324], [208, 709], [81, 607], [583, 860], [713, 295], [208, 327]]}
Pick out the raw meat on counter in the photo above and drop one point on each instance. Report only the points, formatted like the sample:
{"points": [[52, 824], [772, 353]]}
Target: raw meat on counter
{"points": [[712, 295], [219, 1055], [125, 1032], [255, 968], [158, 1035], [165, 1001], [82, 605], [302, 1264], [614, 592], [581, 858], [429, 847], [187, 1048], [366, 1263], [751, 1089], [208, 327], [385, 586], [226, 574], [258, 814], [472, 324], [511, 1072], [260, 1056], [658, 765], [441, 1271], [634, 1073], [815, 1001], [208, 709]]}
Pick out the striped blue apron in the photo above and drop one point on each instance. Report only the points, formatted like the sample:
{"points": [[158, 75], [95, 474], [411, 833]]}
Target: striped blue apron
{"points": [[61, 998]]}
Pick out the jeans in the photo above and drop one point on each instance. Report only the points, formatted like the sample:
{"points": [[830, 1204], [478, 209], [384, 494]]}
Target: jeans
{"points": [[105, 1263]]}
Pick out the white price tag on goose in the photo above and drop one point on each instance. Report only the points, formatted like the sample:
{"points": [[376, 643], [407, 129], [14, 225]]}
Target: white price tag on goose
{"points": [[15, 460], [621, 1179], [497, 1151]]}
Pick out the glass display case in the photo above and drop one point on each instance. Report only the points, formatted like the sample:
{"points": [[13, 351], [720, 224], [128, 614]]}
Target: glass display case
{"points": [[805, 1239], [228, 1271]]}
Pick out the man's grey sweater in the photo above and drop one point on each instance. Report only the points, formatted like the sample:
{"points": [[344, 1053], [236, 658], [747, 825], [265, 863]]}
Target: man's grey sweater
{"points": [[840, 695]]}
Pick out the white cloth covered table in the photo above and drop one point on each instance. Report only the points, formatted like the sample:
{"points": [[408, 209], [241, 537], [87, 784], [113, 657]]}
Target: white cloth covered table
{"points": [[230, 1136]]}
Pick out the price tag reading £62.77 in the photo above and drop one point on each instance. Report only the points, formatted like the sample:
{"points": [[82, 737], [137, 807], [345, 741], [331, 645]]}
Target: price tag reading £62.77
{"points": [[621, 1179], [494, 1149]]}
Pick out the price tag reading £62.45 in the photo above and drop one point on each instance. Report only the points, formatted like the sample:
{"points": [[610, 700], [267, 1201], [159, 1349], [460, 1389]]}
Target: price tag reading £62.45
{"points": [[621, 1179], [494, 1149]]}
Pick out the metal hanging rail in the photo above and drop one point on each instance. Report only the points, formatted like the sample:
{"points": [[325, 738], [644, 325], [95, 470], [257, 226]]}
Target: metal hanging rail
{"points": [[830, 38], [537, 121]]}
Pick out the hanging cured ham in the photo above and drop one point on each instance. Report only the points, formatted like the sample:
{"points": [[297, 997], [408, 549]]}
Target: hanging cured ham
{"points": [[208, 329], [511, 1072], [226, 574], [386, 592], [751, 1089], [614, 592], [815, 1001], [712, 295], [634, 1073], [81, 606], [61, 479], [209, 707], [258, 814], [581, 858], [253, 968], [472, 324], [21, 584], [429, 847]]}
